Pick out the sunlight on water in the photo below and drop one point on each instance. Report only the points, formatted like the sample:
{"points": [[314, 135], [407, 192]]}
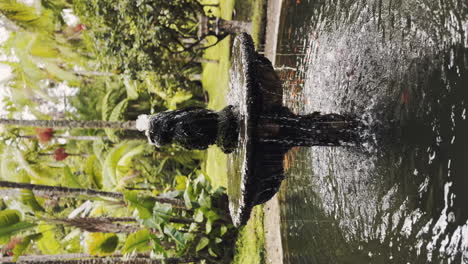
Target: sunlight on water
{"points": [[402, 68]]}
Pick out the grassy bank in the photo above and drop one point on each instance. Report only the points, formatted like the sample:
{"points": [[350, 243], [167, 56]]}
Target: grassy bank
{"points": [[215, 78]]}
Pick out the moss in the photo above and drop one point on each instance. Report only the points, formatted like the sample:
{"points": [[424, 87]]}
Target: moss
{"points": [[250, 245]]}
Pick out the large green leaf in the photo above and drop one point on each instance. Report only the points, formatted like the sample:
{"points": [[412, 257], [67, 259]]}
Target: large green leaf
{"points": [[118, 161], [69, 179], [9, 217], [204, 199], [7, 232], [10, 224], [58, 73], [157, 246], [125, 164], [178, 97], [28, 198], [9, 167], [101, 244], [138, 242], [204, 241], [48, 244], [113, 111], [116, 115], [180, 182], [189, 196], [98, 150], [45, 49], [107, 105], [35, 175], [176, 235], [198, 216], [162, 212], [93, 171], [24, 245], [109, 172], [132, 88], [143, 204]]}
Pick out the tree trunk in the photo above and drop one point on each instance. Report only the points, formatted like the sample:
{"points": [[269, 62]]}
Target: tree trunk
{"points": [[203, 60], [75, 192], [42, 258], [81, 258], [94, 73], [115, 260], [98, 224], [69, 154], [60, 191], [126, 125], [108, 224], [78, 138]]}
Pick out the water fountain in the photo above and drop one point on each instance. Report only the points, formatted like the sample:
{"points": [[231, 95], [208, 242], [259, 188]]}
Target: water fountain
{"points": [[400, 197], [255, 128]]}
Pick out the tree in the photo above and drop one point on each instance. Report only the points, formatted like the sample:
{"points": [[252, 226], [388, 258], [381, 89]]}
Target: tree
{"points": [[56, 191], [126, 125], [98, 224], [89, 259], [159, 38]]}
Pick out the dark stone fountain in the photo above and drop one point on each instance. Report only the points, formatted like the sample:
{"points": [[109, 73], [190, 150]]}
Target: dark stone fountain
{"points": [[256, 129]]}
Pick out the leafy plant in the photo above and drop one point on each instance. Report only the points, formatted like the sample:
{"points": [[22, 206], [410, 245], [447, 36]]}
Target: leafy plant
{"points": [[148, 41], [201, 229], [11, 224], [101, 244]]}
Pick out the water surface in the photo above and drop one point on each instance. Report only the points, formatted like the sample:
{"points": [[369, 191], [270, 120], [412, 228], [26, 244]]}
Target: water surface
{"points": [[402, 68]]}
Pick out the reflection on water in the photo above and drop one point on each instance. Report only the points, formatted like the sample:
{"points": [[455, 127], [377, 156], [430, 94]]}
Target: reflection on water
{"points": [[402, 67]]}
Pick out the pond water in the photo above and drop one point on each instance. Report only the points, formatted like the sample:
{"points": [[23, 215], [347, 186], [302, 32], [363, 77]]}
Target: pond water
{"points": [[401, 66]]}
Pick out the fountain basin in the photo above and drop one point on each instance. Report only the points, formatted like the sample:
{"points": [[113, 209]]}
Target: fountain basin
{"points": [[267, 130]]}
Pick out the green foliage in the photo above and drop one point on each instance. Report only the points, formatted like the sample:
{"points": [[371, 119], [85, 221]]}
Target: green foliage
{"points": [[142, 65], [28, 198], [115, 115], [48, 243], [142, 203], [24, 245], [102, 244], [69, 178], [11, 224], [197, 230], [117, 164], [26, 16], [153, 41], [204, 241], [44, 56], [138, 242], [93, 171]]}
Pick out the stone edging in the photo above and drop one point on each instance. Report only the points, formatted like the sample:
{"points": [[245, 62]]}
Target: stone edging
{"points": [[272, 217]]}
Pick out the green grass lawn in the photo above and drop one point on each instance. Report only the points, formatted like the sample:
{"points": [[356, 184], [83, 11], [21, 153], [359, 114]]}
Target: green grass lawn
{"points": [[215, 78]]}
